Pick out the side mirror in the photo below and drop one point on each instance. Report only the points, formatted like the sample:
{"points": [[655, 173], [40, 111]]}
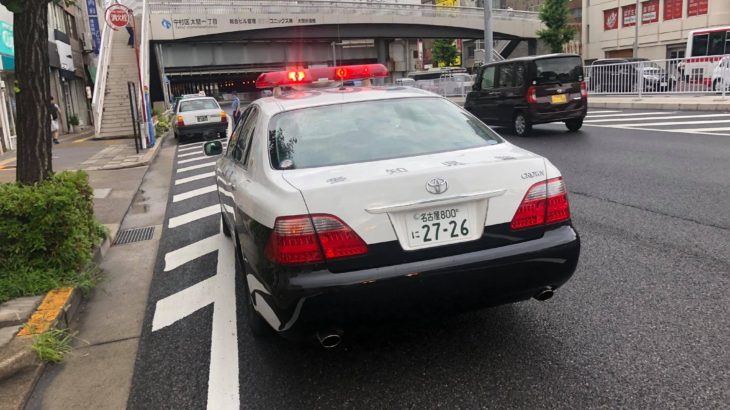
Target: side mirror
{"points": [[213, 148]]}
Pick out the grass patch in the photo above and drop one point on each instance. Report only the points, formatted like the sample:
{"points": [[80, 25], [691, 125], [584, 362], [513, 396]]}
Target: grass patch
{"points": [[52, 345]]}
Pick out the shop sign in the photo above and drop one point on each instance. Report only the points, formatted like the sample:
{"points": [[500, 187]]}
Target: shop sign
{"points": [[610, 19], [629, 15], [94, 25], [672, 9], [650, 11], [7, 44], [696, 8]]}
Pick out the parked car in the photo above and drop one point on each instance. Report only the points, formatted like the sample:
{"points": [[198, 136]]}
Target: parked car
{"points": [[199, 117], [531, 90], [622, 75], [721, 75], [357, 204]]}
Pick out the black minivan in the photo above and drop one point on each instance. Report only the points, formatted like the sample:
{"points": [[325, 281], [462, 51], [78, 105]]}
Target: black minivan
{"points": [[531, 90]]}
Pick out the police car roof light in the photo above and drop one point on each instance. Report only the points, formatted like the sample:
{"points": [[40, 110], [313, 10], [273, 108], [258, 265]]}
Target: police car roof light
{"points": [[310, 75]]}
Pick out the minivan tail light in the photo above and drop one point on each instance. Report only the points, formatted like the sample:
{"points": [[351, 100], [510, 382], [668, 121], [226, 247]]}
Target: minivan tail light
{"points": [[531, 95], [304, 239], [546, 202], [583, 89]]}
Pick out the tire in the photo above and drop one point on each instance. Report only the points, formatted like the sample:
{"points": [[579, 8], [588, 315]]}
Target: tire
{"points": [[521, 125], [226, 229], [574, 124], [257, 326]]}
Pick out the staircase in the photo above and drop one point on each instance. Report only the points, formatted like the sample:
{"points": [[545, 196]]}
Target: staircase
{"points": [[116, 118]]}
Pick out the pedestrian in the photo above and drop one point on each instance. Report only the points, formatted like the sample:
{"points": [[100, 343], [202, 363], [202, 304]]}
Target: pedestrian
{"points": [[236, 109], [54, 111], [130, 29]]}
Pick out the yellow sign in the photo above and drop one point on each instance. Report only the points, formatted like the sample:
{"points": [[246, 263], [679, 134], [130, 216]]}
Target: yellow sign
{"points": [[447, 3]]}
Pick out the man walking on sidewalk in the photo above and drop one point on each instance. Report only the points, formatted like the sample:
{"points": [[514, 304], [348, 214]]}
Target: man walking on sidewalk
{"points": [[54, 111]]}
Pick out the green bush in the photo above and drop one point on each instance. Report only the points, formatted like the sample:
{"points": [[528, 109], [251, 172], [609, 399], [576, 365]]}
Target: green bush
{"points": [[47, 234]]}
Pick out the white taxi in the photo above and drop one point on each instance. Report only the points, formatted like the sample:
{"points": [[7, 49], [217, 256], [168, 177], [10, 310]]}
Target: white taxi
{"points": [[358, 203], [199, 116]]}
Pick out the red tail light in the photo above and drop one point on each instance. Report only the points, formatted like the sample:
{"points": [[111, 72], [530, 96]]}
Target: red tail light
{"points": [[531, 95], [224, 117], [180, 122], [303, 239], [545, 203], [583, 89]]}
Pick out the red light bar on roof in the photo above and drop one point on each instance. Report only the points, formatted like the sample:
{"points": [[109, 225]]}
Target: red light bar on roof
{"points": [[310, 75]]}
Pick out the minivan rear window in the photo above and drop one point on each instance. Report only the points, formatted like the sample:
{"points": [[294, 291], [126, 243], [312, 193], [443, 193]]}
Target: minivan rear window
{"points": [[558, 70], [372, 130]]}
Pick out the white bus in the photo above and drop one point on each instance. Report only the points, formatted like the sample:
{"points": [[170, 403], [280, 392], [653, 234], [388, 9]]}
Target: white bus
{"points": [[705, 48]]}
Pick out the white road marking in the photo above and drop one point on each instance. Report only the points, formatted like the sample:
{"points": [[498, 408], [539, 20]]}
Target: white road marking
{"points": [[698, 131], [193, 216], [631, 114], [601, 112], [190, 252], [194, 178], [185, 161], [192, 167], [187, 152], [220, 290], [659, 118], [195, 192], [693, 130], [653, 124]]}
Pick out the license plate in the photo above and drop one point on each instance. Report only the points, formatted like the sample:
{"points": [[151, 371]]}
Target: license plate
{"points": [[436, 226], [559, 99], [202, 118]]}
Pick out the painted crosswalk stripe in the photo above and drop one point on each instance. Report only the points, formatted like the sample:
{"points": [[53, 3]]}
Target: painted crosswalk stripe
{"points": [[194, 193], [191, 252], [677, 117], [193, 216], [192, 167], [601, 112], [194, 178], [631, 114], [654, 124], [202, 157]]}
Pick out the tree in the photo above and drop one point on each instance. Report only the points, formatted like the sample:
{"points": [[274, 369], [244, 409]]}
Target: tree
{"points": [[556, 16], [444, 51], [33, 120]]}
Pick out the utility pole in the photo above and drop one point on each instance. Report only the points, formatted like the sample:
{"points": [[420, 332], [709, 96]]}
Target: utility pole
{"points": [[488, 31], [636, 29]]}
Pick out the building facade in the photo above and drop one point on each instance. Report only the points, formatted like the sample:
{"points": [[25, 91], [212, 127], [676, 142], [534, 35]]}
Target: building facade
{"points": [[664, 25]]}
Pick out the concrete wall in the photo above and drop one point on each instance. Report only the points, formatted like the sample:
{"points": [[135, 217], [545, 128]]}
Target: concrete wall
{"points": [[653, 37]]}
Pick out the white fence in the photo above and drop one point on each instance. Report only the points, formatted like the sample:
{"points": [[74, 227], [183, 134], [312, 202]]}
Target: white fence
{"points": [[694, 75]]}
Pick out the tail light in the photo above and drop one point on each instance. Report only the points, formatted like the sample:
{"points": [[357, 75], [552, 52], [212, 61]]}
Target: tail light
{"points": [[583, 89], [180, 122], [531, 95], [545, 203], [303, 239], [224, 117]]}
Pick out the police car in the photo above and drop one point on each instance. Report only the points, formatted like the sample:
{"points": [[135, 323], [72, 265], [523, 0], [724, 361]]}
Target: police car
{"points": [[374, 202]]}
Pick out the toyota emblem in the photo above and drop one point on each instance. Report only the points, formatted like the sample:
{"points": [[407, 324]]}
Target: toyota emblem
{"points": [[437, 186]]}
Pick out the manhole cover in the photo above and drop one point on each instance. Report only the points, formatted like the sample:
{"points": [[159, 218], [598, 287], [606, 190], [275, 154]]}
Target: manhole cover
{"points": [[135, 235]]}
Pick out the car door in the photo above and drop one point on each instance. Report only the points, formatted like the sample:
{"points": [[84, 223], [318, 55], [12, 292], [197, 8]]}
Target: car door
{"points": [[483, 100], [225, 170], [510, 80]]}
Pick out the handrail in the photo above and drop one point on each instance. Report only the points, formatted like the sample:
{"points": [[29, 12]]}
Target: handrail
{"points": [[97, 101]]}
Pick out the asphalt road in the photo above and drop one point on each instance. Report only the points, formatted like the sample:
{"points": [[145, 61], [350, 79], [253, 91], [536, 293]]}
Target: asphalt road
{"points": [[644, 322]]}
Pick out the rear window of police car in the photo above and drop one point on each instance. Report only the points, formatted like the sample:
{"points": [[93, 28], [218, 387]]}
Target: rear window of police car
{"points": [[197, 105], [371, 131]]}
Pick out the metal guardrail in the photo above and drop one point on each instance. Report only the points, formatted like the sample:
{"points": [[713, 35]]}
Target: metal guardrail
{"points": [[97, 101], [692, 75], [227, 7], [446, 87]]}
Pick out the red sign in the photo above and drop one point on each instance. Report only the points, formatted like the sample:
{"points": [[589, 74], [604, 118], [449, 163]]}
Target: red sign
{"points": [[650, 11], [117, 16], [629, 15], [696, 8], [672, 9], [610, 19]]}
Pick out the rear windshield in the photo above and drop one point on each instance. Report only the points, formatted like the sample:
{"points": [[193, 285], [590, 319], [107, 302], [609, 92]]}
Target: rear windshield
{"points": [[195, 105], [371, 131], [559, 70]]}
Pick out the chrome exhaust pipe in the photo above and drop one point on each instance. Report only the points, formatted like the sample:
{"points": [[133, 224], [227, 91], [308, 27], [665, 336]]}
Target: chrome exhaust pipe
{"points": [[544, 294], [329, 338]]}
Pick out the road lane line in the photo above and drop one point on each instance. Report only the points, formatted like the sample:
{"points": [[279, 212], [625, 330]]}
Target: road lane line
{"points": [[183, 304], [683, 130], [631, 114], [193, 216], [200, 158], [654, 124], [658, 118], [601, 112], [181, 256], [196, 192], [192, 167], [194, 178]]}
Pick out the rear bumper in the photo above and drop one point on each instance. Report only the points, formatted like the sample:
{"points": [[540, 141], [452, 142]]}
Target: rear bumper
{"points": [[314, 300], [545, 117], [201, 130]]}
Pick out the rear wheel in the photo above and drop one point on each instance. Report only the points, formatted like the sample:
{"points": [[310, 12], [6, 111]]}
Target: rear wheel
{"points": [[574, 124], [521, 125]]}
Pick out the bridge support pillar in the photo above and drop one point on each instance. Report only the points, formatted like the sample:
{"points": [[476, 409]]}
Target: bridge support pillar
{"points": [[531, 46], [381, 47]]}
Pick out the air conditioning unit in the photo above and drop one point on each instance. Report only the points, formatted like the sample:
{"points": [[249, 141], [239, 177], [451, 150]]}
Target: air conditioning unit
{"points": [[86, 41]]}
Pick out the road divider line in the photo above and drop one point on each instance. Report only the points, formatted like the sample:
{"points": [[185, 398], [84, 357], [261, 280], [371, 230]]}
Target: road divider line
{"points": [[654, 124], [194, 178], [630, 114], [195, 250], [601, 112], [193, 216], [182, 304], [659, 118], [192, 167], [194, 193]]}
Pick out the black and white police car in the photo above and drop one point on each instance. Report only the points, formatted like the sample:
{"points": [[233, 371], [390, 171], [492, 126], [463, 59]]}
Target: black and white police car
{"points": [[352, 203]]}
